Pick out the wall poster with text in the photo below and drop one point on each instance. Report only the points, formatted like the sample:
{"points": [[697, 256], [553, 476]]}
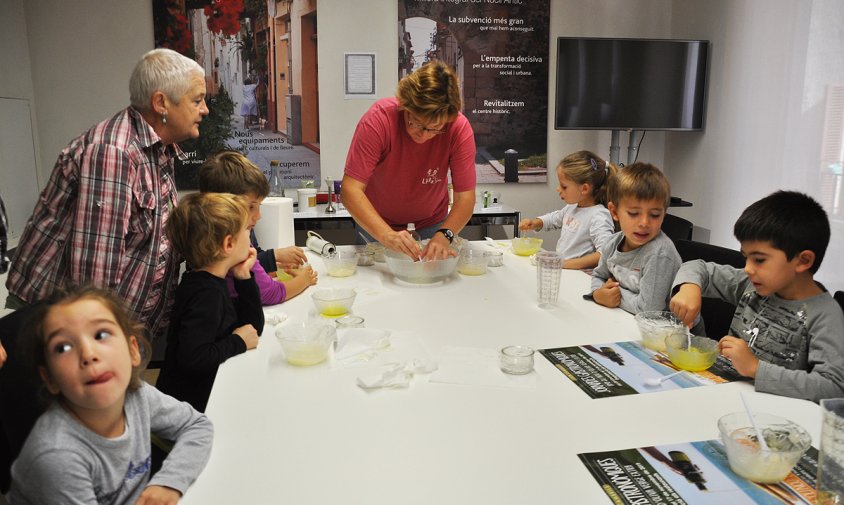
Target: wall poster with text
{"points": [[499, 49], [260, 61]]}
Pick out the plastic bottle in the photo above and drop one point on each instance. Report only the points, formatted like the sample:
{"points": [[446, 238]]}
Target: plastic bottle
{"points": [[411, 228], [276, 189]]}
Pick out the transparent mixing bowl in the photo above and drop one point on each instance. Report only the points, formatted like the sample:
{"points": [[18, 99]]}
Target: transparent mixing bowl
{"points": [[307, 343], [787, 441], [656, 326], [419, 272]]}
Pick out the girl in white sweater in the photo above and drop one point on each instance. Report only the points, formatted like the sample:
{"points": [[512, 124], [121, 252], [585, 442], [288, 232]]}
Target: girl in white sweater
{"points": [[585, 222]]}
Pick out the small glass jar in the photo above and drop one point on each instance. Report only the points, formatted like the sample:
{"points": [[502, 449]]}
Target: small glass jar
{"points": [[366, 256], [516, 359], [349, 322], [494, 258]]}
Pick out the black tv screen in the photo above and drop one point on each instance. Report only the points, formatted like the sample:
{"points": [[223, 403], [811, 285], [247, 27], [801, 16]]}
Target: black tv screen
{"points": [[630, 84]]}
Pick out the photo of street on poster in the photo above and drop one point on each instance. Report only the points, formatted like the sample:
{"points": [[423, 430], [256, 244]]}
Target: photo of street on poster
{"points": [[694, 473], [260, 73], [622, 368], [499, 51]]}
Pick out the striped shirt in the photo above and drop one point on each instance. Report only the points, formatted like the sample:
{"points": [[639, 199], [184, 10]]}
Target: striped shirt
{"points": [[100, 220]]}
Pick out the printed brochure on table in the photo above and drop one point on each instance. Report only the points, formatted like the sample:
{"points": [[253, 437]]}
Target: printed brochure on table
{"points": [[622, 368], [694, 473]]}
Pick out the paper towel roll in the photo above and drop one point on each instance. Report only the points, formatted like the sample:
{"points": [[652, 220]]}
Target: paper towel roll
{"points": [[275, 228]]}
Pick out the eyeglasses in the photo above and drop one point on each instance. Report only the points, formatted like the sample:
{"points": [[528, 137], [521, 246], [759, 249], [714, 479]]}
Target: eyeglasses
{"points": [[416, 125]]}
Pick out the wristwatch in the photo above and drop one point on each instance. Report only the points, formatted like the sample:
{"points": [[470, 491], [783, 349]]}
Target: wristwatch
{"points": [[449, 235]]}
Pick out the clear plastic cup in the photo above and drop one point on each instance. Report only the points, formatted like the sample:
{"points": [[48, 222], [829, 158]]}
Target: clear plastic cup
{"points": [[471, 261], [831, 459], [549, 265]]}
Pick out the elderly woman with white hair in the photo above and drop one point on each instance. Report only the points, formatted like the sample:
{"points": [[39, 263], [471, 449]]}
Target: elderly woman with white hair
{"points": [[100, 218]]}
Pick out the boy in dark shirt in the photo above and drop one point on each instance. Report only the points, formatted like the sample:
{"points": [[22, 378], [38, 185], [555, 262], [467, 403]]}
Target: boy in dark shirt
{"points": [[211, 230]]}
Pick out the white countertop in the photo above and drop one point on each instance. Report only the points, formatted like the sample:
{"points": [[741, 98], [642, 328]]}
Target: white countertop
{"points": [[341, 212], [310, 435]]}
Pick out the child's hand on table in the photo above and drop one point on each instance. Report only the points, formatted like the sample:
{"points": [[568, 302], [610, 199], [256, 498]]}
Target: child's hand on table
{"points": [[686, 303], [737, 351], [307, 273], [249, 334], [608, 295], [158, 495]]}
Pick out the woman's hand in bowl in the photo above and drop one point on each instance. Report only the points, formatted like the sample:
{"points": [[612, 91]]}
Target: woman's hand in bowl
{"points": [[402, 242], [438, 249]]}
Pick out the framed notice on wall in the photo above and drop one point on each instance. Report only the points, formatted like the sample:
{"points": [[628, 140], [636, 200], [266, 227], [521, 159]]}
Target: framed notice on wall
{"points": [[359, 75]]}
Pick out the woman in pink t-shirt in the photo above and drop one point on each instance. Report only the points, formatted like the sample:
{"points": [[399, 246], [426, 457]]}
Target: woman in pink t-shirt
{"points": [[402, 154]]}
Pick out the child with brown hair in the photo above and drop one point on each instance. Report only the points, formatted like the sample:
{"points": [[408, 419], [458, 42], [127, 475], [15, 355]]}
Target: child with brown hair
{"points": [[638, 263], [585, 223], [92, 445], [232, 172], [786, 330], [211, 230]]}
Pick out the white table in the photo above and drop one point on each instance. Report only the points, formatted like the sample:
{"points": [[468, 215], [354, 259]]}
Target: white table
{"points": [[311, 436]]}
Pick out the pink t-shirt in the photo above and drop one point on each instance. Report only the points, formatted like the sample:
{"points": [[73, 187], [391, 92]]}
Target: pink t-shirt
{"points": [[405, 181]]}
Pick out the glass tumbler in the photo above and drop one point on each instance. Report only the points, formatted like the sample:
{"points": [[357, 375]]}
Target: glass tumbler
{"points": [[349, 322], [516, 359], [831, 457], [549, 265], [494, 258]]}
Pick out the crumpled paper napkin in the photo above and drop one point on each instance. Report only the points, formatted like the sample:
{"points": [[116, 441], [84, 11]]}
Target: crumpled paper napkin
{"points": [[274, 316], [397, 375]]}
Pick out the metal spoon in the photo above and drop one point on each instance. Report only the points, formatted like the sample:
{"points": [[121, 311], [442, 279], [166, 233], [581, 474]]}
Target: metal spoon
{"points": [[657, 381]]}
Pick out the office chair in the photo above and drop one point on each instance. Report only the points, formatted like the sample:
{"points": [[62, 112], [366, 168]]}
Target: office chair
{"points": [[677, 228], [716, 313]]}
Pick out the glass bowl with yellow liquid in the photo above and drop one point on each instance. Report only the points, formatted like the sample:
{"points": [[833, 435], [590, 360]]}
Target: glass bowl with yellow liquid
{"points": [[525, 246], [333, 302], [656, 326], [341, 263], [691, 352], [307, 343]]}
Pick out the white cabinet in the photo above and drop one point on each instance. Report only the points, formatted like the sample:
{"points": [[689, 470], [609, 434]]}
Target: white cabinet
{"points": [[18, 173]]}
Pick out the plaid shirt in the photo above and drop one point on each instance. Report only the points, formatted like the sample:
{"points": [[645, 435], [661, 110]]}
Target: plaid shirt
{"points": [[4, 230], [100, 220]]}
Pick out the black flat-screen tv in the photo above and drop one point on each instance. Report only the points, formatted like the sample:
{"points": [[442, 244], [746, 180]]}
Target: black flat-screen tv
{"points": [[630, 84]]}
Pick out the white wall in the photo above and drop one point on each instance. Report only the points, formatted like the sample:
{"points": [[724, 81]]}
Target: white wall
{"points": [[771, 62], [770, 58], [82, 54]]}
